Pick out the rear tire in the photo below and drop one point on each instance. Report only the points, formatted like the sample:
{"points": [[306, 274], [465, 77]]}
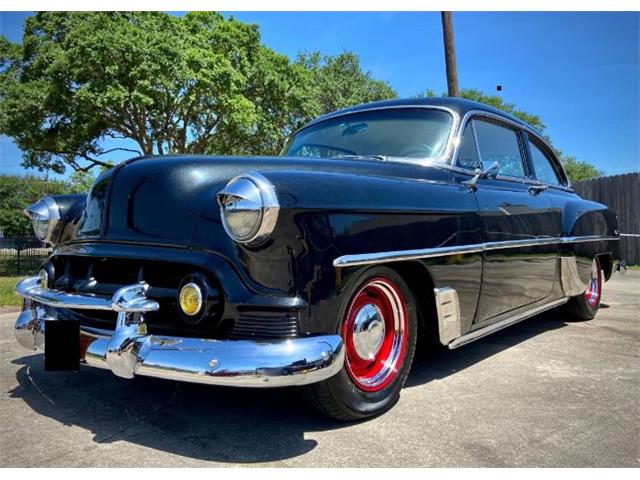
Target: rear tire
{"points": [[379, 329], [586, 305]]}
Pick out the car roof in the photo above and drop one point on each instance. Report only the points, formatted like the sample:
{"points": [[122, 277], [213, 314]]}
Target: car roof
{"points": [[460, 105]]}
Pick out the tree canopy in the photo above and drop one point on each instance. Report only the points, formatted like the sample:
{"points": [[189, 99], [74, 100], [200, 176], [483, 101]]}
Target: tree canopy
{"points": [[340, 82], [200, 83], [82, 85], [579, 170]]}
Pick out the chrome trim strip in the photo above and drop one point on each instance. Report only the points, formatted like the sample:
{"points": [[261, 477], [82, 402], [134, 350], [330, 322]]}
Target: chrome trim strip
{"points": [[129, 350], [494, 327], [381, 257], [418, 254]]}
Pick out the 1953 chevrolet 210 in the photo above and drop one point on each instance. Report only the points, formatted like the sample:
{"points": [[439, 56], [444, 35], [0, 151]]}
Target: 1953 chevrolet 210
{"points": [[435, 219]]}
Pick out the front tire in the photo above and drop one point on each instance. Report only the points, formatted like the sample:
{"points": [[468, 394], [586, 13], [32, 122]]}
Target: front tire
{"points": [[379, 330], [585, 306]]}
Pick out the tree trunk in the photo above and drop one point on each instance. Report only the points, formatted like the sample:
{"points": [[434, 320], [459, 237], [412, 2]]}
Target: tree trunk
{"points": [[450, 54]]}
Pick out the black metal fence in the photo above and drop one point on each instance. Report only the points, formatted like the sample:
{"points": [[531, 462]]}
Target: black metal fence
{"points": [[21, 255], [622, 193]]}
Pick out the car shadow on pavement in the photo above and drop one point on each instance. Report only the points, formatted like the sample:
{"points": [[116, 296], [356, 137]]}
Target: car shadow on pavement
{"points": [[440, 362], [214, 423]]}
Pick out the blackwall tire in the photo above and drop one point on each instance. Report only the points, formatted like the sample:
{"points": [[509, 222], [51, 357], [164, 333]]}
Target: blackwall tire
{"points": [[365, 387], [585, 306]]}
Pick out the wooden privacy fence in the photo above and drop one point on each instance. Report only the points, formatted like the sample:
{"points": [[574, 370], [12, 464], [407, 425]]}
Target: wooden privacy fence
{"points": [[622, 194]]}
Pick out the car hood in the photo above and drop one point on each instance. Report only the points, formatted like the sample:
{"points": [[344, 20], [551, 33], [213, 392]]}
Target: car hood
{"points": [[172, 199]]}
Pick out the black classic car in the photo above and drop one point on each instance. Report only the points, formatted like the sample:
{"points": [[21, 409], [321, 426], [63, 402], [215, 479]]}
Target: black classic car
{"points": [[431, 221]]}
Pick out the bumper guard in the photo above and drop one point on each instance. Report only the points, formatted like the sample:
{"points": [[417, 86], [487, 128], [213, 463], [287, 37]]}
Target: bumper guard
{"points": [[130, 351]]}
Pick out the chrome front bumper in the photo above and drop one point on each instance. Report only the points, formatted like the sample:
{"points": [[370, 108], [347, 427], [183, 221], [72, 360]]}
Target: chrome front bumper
{"points": [[130, 351]]}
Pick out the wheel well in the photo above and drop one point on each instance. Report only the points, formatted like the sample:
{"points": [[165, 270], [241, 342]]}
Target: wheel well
{"points": [[421, 284]]}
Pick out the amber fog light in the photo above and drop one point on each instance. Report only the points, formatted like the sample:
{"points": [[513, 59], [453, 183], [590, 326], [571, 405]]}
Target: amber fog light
{"points": [[191, 299]]}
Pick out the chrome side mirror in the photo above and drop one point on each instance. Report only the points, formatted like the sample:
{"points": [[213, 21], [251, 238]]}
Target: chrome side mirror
{"points": [[490, 172]]}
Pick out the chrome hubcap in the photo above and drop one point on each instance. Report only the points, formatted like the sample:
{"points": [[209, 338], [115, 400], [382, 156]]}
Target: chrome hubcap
{"points": [[375, 334], [368, 331]]}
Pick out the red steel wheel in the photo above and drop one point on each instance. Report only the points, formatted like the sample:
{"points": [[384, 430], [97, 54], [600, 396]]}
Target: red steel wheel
{"points": [[594, 292], [375, 334]]}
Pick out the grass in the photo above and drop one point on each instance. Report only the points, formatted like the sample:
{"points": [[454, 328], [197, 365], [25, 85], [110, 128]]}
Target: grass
{"points": [[14, 268], [8, 295]]}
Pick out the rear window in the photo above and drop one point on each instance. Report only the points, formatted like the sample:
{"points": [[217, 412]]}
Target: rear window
{"points": [[542, 166]]}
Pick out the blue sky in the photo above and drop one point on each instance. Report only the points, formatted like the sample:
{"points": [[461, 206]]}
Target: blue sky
{"points": [[579, 71]]}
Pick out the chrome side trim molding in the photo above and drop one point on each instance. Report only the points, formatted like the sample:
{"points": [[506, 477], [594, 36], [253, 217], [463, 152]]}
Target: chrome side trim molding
{"points": [[448, 309], [381, 257], [494, 327], [400, 255]]}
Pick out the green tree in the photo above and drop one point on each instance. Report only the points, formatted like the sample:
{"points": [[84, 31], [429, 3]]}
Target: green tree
{"points": [[340, 82], [80, 182], [498, 102], [164, 84], [17, 193], [495, 101], [579, 170]]}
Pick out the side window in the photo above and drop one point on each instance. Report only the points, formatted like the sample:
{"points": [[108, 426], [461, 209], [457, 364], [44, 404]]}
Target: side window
{"points": [[542, 166], [468, 153], [499, 144]]}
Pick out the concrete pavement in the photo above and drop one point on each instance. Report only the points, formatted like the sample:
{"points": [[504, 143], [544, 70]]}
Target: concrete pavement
{"points": [[545, 392]]}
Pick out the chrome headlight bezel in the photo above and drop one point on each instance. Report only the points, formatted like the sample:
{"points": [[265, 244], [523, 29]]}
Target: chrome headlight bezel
{"points": [[44, 215], [254, 193]]}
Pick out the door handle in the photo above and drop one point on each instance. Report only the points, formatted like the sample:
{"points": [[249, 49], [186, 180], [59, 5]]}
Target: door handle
{"points": [[536, 189]]}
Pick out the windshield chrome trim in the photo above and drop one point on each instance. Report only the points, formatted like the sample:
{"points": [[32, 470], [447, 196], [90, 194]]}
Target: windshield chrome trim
{"points": [[442, 159]]}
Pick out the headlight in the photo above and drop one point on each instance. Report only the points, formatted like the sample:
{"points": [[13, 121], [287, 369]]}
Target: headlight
{"points": [[249, 208], [44, 215]]}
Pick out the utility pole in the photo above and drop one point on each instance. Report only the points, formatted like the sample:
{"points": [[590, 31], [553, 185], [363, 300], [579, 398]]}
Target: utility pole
{"points": [[450, 54]]}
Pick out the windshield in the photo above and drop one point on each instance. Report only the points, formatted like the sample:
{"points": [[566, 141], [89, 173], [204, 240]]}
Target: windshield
{"points": [[403, 132]]}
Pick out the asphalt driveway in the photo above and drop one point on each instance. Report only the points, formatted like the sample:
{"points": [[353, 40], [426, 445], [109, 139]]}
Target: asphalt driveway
{"points": [[543, 393]]}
